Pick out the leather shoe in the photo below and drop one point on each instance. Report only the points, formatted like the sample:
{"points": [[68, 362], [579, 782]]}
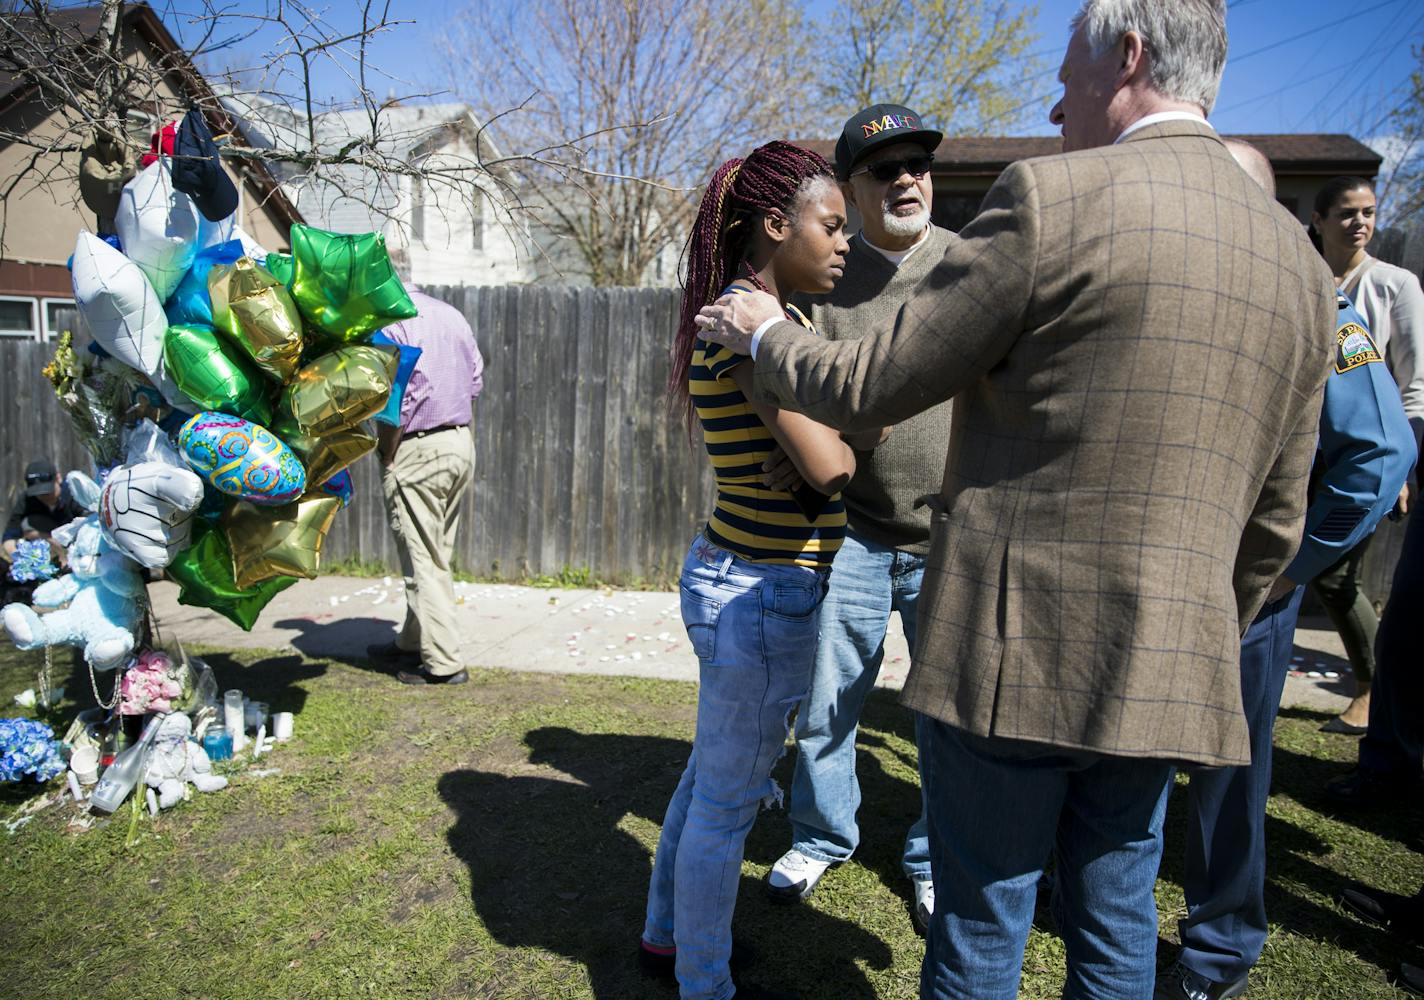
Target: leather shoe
{"points": [[423, 676], [1177, 982], [1343, 728], [1402, 914], [1411, 977], [1364, 789]]}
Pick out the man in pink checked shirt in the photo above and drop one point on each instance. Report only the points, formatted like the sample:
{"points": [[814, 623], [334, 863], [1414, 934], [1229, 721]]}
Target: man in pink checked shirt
{"points": [[426, 466]]}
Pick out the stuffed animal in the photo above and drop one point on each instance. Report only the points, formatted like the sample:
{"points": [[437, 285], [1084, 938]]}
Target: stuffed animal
{"points": [[98, 601], [176, 760]]}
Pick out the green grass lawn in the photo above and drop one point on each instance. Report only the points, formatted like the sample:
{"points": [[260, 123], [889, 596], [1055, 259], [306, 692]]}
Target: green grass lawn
{"points": [[495, 840]]}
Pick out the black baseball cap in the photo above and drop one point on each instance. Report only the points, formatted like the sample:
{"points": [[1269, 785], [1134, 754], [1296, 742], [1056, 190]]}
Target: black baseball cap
{"points": [[39, 477], [880, 125], [197, 169]]}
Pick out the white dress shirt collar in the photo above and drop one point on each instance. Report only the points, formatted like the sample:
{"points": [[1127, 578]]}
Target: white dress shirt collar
{"points": [[1161, 116]]}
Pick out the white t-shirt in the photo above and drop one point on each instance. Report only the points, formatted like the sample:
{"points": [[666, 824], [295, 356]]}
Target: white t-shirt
{"points": [[1392, 303], [896, 257]]}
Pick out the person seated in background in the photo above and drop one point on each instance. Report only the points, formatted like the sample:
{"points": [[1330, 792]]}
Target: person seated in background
{"points": [[45, 505]]}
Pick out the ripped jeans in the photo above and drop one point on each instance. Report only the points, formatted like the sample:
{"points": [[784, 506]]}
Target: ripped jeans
{"points": [[753, 627]]}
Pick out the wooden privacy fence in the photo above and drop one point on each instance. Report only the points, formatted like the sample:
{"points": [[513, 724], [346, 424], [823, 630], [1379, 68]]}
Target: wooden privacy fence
{"points": [[578, 465]]}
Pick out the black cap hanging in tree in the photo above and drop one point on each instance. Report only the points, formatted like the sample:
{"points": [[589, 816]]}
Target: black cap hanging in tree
{"points": [[198, 172]]}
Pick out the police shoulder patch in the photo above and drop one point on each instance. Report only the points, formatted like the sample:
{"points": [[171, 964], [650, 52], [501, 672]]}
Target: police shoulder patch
{"points": [[1354, 347]]}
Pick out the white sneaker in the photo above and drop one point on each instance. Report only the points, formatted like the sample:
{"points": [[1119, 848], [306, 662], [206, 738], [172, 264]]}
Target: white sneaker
{"points": [[794, 876], [924, 903]]}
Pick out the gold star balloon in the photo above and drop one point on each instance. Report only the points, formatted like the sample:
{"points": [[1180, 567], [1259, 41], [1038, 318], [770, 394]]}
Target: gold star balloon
{"points": [[327, 455], [273, 542], [203, 572], [345, 285], [215, 373], [253, 309], [340, 389]]}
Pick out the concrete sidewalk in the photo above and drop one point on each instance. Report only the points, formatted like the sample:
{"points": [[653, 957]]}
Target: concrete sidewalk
{"points": [[609, 632]]}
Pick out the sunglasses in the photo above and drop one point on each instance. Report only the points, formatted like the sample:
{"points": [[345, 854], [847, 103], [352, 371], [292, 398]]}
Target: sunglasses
{"points": [[888, 170]]}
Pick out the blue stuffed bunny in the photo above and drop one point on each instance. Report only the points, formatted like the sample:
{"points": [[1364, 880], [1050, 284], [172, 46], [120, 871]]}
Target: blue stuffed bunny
{"points": [[99, 600]]}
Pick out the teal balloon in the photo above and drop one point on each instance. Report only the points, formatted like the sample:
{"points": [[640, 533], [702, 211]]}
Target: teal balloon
{"points": [[204, 574], [409, 355], [215, 373], [189, 302], [345, 285]]}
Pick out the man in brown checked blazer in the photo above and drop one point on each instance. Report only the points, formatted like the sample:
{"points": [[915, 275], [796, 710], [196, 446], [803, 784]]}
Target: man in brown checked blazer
{"points": [[1136, 338]]}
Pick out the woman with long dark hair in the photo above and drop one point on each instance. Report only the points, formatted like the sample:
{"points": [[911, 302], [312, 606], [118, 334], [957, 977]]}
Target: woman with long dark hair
{"points": [[754, 577], [1392, 304]]}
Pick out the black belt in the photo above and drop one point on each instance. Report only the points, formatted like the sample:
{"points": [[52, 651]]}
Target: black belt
{"points": [[436, 430]]}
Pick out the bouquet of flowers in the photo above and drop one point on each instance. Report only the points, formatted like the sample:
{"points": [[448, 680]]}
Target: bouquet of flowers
{"points": [[32, 561], [153, 684], [28, 747]]}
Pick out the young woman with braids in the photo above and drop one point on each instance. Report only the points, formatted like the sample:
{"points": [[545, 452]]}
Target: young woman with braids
{"points": [[754, 578]]}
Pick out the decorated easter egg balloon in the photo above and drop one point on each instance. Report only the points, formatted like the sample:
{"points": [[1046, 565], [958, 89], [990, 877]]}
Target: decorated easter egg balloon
{"points": [[242, 459]]}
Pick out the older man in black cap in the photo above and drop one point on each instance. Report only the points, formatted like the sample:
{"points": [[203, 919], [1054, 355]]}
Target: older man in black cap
{"points": [[883, 161], [44, 506]]}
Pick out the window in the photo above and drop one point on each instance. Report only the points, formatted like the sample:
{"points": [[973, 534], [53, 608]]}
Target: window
{"points": [[477, 220], [19, 317], [60, 315], [954, 209], [417, 209]]}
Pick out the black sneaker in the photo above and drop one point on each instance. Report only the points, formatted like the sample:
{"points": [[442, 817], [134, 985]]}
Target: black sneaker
{"points": [[657, 964], [663, 965]]}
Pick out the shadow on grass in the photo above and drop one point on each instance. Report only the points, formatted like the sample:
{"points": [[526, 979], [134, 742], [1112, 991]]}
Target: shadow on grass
{"points": [[553, 867], [273, 679]]}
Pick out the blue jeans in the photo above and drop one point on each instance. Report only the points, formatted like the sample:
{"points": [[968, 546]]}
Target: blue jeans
{"points": [[1394, 744], [870, 581], [753, 628], [997, 808], [1225, 927]]}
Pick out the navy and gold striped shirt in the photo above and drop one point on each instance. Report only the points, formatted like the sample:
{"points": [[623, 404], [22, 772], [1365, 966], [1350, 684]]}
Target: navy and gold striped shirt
{"points": [[756, 523]]}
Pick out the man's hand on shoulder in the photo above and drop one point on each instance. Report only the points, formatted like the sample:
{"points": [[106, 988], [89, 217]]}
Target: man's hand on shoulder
{"points": [[732, 319]]}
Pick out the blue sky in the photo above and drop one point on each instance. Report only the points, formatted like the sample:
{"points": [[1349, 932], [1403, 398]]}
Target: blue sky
{"points": [[1294, 65]]}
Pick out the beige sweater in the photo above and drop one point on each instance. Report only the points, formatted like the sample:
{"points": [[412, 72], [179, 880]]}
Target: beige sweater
{"points": [[880, 500]]}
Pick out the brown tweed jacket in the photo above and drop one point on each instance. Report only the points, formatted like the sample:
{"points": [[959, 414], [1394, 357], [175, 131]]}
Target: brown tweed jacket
{"points": [[1136, 338]]}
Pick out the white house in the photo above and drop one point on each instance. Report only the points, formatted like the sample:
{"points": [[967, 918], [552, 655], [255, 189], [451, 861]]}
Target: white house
{"points": [[450, 229]]}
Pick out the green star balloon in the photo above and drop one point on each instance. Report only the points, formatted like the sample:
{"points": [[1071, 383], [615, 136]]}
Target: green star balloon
{"points": [[215, 373], [345, 285], [279, 265], [340, 389], [204, 575]]}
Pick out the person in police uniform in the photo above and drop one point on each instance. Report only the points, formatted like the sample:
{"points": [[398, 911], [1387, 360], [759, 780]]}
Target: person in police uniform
{"points": [[1365, 454]]}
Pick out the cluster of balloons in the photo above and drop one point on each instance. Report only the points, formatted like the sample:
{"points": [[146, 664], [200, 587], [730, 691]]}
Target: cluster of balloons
{"points": [[270, 364]]}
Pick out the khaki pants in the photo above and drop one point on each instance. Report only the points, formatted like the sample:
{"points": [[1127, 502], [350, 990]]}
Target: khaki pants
{"points": [[423, 488]]}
